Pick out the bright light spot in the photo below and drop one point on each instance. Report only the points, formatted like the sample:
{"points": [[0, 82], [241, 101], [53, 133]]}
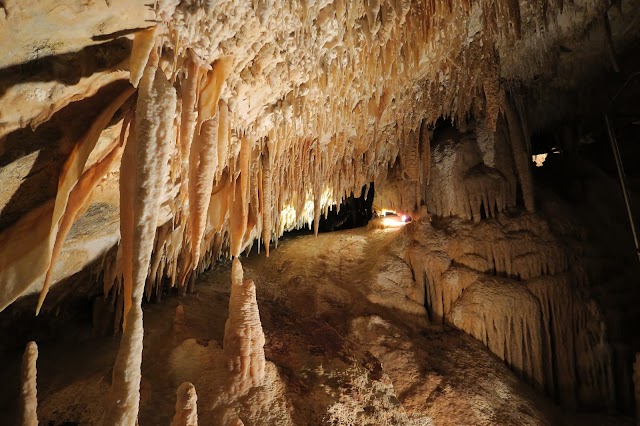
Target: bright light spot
{"points": [[392, 222], [404, 218], [539, 159]]}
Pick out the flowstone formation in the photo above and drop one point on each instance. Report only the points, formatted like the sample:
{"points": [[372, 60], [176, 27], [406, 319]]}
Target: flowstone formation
{"points": [[505, 278]]}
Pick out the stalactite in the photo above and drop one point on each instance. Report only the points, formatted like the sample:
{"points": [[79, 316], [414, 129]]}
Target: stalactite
{"points": [[127, 184], [554, 336], [143, 43], [186, 406], [153, 137], [189, 114], [394, 75], [28, 393], [267, 201], [425, 153], [205, 166], [77, 202], [219, 205], [27, 247], [557, 304], [223, 137], [520, 153], [237, 220], [155, 110], [485, 187], [209, 94]]}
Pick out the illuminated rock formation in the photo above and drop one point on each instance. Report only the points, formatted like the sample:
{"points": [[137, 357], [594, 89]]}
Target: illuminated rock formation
{"points": [[472, 276], [28, 391], [186, 406], [123, 401], [239, 121], [243, 337]]}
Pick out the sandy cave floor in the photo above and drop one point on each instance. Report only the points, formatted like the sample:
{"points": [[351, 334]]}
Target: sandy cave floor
{"points": [[335, 312]]}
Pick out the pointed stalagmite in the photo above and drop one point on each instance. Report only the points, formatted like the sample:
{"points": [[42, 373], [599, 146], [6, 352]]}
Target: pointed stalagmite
{"points": [[235, 422], [186, 406], [179, 325], [123, 401], [243, 336], [28, 394]]}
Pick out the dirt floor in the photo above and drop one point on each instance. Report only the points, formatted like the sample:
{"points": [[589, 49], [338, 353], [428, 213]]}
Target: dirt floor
{"points": [[349, 342]]}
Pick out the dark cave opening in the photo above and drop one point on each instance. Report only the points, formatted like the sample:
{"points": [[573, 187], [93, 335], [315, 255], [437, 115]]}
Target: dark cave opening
{"points": [[354, 212]]}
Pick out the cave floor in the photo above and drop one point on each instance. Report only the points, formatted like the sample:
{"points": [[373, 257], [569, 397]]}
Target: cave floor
{"points": [[325, 302]]}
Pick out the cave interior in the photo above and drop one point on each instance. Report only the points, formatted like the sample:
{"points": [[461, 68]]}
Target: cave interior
{"points": [[379, 212]]}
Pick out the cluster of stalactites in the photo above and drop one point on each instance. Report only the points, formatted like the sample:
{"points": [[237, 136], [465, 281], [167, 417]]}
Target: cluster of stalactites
{"points": [[320, 98]]}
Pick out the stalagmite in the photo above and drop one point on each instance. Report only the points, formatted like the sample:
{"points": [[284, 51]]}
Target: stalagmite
{"points": [[186, 406], [28, 394], [243, 336], [122, 402], [179, 325]]}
